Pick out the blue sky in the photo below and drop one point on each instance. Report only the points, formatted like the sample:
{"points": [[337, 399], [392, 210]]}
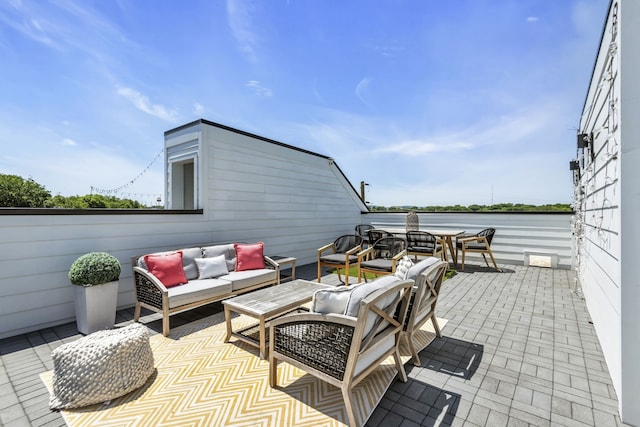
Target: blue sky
{"points": [[430, 102]]}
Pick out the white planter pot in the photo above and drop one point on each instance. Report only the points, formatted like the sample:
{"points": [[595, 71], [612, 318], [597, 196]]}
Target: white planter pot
{"points": [[96, 307]]}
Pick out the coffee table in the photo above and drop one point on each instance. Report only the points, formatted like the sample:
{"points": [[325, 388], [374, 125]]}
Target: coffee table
{"points": [[266, 304]]}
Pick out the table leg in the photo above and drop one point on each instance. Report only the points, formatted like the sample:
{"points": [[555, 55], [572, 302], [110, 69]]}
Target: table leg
{"points": [[449, 242], [263, 339], [227, 319]]}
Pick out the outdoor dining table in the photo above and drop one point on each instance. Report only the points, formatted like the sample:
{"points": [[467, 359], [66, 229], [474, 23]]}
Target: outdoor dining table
{"points": [[445, 234]]}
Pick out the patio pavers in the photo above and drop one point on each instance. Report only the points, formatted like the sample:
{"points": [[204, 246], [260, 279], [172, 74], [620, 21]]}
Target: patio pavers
{"points": [[518, 349]]}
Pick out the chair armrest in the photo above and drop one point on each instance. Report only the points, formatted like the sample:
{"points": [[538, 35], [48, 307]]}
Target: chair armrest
{"points": [[474, 238], [354, 250], [465, 236], [396, 258], [324, 248], [365, 253]]}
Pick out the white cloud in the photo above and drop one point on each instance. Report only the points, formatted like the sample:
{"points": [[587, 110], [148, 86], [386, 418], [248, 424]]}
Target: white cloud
{"points": [[240, 19], [258, 89], [198, 109], [143, 103], [69, 142], [362, 87], [532, 19]]}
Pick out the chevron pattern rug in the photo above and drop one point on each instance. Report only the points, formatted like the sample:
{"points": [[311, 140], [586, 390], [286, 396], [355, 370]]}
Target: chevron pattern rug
{"points": [[200, 381]]}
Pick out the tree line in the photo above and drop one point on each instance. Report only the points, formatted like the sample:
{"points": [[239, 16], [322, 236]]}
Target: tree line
{"points": [[498, 207], [17, 192]]}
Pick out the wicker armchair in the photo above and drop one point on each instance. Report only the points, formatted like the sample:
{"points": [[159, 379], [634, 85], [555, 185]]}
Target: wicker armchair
{"points": [[382, 257], [478, 243], [340, 254], [422, 306], [343, 349]]}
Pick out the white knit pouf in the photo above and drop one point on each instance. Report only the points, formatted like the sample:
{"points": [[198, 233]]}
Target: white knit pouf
{"points": [[101, 366]]}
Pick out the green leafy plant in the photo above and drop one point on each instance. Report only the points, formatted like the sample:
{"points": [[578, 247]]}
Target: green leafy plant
{"points": [[94, 268]]}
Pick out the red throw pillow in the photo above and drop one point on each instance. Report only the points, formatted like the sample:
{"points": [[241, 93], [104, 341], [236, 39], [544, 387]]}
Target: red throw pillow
{"points": [[249, 256], [167, 268]]}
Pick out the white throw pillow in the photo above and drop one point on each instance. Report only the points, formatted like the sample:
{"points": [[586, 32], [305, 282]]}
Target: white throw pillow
{"points": [[211, 267], [326, 301], [402, 267]]}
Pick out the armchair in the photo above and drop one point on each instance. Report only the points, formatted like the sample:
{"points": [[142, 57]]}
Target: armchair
{"points": [[479, 243], [422, 306], [344, 345], [382, 257], [340, 254]]}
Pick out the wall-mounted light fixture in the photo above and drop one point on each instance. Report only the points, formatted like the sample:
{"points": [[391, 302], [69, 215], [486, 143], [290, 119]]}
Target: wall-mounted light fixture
{"points": [[574, 166], [585, 140]]}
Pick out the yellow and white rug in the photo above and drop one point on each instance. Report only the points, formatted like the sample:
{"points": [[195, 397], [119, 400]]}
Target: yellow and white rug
{"points": [[201, 381]]}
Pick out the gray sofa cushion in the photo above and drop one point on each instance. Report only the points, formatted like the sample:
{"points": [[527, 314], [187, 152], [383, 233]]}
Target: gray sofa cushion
{"points": [[189, 256], [197, 290], [188, 261], [247, 278], [227, 250]]}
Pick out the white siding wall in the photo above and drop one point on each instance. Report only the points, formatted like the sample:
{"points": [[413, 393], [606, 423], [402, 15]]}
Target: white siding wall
{"points": [[251, 190], [607, 202], [515, 233], [37, 251]]}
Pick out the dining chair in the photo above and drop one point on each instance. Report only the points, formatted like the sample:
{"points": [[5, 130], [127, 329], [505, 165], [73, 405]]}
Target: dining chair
{"points": [[382, 257], [422, 243], [362, 231], [477, 243], [342, 253]]}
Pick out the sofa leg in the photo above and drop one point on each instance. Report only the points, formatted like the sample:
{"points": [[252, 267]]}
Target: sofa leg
{"points": [[136, 312], [165, 325]]}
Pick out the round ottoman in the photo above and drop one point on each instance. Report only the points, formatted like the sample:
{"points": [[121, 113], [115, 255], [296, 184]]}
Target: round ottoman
{"points": [[101, 366]]}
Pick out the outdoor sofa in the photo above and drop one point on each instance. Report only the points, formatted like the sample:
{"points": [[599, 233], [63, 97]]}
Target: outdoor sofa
{"points": [[171, 282]]}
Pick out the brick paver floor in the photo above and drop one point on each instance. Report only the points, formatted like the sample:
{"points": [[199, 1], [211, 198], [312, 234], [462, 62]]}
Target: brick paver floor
{"points": [[518, 349]]}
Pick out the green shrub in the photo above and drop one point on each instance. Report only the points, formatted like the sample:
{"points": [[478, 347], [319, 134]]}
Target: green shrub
{"points": [[94, 268]]}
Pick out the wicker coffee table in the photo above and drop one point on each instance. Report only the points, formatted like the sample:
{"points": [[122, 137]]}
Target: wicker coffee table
{"points": [[264, 305]]}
